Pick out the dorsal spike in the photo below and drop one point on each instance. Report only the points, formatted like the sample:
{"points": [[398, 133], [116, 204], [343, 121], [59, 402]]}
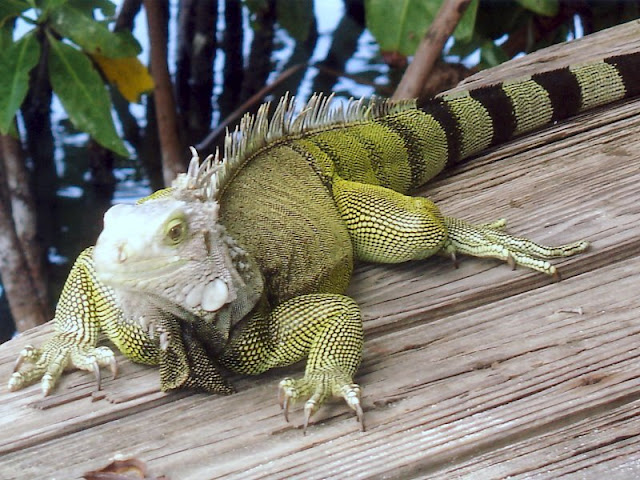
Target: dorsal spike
{"points": [[256, 131], [193, 170]]}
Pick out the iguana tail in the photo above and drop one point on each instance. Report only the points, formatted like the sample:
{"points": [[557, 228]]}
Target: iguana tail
{"points": [[401, 145], [477, 119]]}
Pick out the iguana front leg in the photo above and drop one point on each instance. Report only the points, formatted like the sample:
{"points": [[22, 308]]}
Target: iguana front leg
{"points": [[86, 307], [326, 328], [388, 227]]}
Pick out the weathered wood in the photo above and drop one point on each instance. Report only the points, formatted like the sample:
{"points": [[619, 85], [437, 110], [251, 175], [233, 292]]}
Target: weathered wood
{"points": [[480, 372]]}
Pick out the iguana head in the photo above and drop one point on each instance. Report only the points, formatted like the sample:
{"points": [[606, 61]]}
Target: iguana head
{"points": [[170, 254]]}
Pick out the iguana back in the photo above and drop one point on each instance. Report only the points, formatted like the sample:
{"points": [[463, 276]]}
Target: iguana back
{"points": [[275, 203]]}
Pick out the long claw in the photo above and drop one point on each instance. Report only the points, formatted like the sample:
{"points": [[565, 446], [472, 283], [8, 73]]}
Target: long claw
{"points": [[360, 417], [306, 423], [19, 362], [285, 408], [113, 366], [351, 394], [310, 407], [96, 371], [454, 259], [284, 396]]}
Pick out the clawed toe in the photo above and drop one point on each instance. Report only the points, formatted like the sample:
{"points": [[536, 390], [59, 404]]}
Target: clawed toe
{"points": [[351, 393], [48, 363], [113, 367], [102, 357], [286, 392], [28, 353], [290, 390], [310, 407], [490, 240]]}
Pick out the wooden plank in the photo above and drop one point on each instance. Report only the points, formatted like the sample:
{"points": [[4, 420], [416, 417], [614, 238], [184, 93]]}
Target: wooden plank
{"points": [[479, 372], [521, 370]]}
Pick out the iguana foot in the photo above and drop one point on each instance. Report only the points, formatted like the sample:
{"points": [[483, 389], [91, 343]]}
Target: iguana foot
{"points": [[59, 353], [490, 240], [317, 388]]}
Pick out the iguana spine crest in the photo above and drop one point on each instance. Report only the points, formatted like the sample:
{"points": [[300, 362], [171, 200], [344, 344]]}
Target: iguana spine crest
{"points": [[255, 132]]}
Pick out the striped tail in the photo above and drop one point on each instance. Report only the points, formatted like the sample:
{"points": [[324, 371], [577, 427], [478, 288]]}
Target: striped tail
{"points": [[477, 119]]}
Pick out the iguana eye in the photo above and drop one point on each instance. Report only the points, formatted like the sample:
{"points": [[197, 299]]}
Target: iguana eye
{"points": [[176, 231]]}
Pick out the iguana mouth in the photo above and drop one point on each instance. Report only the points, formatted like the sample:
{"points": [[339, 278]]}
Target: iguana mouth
{"points": [[118, 274]]}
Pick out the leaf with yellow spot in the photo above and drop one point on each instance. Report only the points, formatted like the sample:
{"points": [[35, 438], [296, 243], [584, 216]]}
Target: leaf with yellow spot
{"points": [[128, 74]]}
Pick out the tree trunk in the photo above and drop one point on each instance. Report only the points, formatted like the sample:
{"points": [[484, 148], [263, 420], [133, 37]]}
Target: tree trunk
{"points": [[194, 74], [39, 143], [233, 74], [22, 261], [259, 65], [173, 155], [343, 45]]}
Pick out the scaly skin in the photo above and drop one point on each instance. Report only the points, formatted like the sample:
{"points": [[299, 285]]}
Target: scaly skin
{"points": [[245, 267], [86, 308]]}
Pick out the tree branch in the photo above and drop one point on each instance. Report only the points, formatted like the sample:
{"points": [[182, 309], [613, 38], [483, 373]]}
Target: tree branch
{"points": [[430, 48], [170, 146], [209, 141]]}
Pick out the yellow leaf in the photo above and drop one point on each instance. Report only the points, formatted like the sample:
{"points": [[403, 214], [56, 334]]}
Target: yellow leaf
{"points": [[129, 75]]}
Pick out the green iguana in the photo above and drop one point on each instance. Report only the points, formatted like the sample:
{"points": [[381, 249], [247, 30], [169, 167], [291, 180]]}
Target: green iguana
{"points": [[242, 263]]}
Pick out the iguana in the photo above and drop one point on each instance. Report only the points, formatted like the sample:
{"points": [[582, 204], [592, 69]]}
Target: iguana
{"points": [[243, 262]]}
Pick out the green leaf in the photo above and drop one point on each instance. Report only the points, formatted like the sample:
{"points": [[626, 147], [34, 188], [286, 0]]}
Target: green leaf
{"points": [[466, 25], [398, 25], [47, 5], [107, 7], [295, 16], [548, 8], [91, 35], [492, 55], [82, 94], [11, 8], [16, 62], [6, 36]]}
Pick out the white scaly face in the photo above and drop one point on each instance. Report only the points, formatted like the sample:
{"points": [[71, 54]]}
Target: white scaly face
{"points": [[169, 251], [169, 255]]}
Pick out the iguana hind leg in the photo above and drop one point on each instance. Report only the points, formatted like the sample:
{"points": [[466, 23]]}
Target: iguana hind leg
{"points": [[386, 226], [326, 328], [389, 227], [490, 240]]}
